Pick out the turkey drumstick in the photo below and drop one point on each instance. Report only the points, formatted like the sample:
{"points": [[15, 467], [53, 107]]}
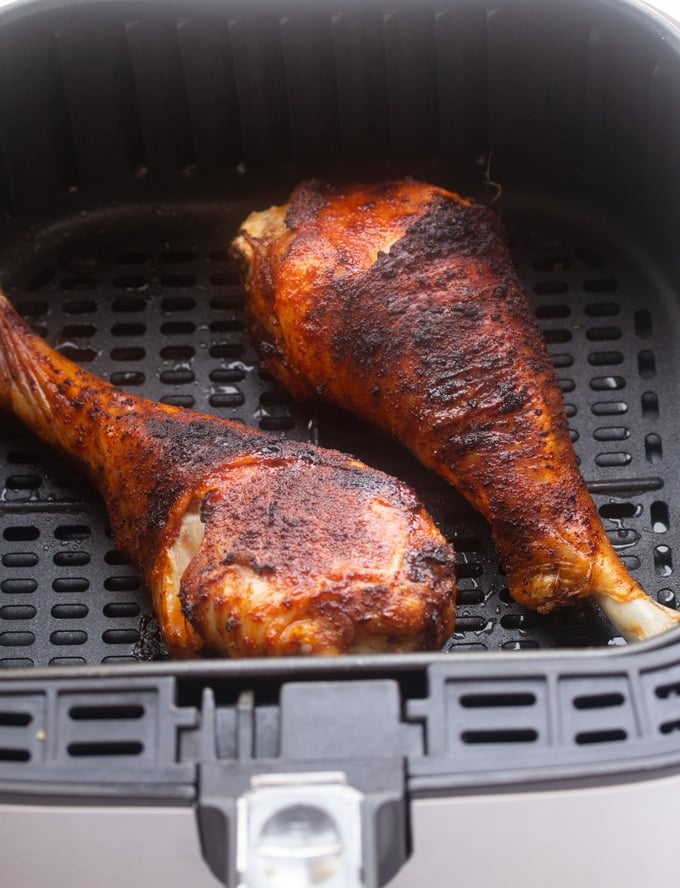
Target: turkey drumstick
{"points": [[399, 301], [251, 545]]}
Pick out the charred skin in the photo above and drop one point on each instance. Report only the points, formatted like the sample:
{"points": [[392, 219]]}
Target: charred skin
{"points": [[251, 546], [399, 302], [321, 544]]}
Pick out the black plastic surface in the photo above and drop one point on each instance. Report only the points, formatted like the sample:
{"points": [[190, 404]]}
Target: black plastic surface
{"points": [[473, 724]]}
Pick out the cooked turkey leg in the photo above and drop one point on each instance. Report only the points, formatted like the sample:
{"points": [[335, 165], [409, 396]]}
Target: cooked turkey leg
{"points": [[250, 545], [399, 302]]}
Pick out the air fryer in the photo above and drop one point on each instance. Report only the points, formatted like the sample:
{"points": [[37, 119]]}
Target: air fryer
{"points": [[134, 138]]}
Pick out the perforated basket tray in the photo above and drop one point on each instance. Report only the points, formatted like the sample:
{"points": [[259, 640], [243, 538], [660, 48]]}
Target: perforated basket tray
{"points": [[153, 304]]}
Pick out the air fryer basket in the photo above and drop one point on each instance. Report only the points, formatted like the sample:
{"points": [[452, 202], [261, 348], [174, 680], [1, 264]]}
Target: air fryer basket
{"points": [[133, 140], [138, 144]]}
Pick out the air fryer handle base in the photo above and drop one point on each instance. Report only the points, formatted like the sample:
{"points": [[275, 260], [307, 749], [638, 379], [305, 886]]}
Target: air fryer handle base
{"points": [[329, 799]]}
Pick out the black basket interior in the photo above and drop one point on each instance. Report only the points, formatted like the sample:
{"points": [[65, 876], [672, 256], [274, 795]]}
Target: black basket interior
{"points": [[140, 138]]}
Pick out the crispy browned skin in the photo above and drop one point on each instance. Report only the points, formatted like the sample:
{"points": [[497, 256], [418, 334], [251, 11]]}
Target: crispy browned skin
{"points": [[252, 546], [399, 301]]}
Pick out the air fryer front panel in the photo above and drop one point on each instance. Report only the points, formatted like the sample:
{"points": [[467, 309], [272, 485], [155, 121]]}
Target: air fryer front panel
{"points": [[134, 846]]}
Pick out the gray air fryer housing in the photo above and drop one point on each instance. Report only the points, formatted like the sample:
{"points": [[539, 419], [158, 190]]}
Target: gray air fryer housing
{"points": [[134, 137]]}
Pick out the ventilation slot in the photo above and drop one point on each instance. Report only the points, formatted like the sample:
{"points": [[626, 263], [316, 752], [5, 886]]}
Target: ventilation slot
{"points": [[17, 612], [470, 624], [66, 637], [77, 283], [177, 352], [19, 586], [70, 532], [483, 701], [603, 334], [617, 511], [600, 285], [605, 358], [666, 597], [599, 701], [663, 692], [118, 610], [16, 639], [15, 719], [117, 712], [670, 727], [14, 755], [467, 597], [643, 324], [71, 559], [122, 584], [646, 365], [23, 482], [105, 749], [130, 280], [114, 557], [178, 328], [613, 735], [553, 288], [227, 399], [663, 561], [650, 405], [602, 309], [653, 449], [128, 330], [178, 279], [500, 735], [71, 584], [607, 383], [609, 408], [550, 263], [79, 306], [21, 534], [179, 256], [128, 305], [611, 433], [120, 636], [20, 559], [660, 517], [608, 460], [70, 611], [519, 621]]}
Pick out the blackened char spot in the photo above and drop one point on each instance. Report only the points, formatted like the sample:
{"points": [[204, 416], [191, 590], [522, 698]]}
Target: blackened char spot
{"points": [[361, 350], [449, 228], [310, 198], [433, 559], [512, 400]]}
